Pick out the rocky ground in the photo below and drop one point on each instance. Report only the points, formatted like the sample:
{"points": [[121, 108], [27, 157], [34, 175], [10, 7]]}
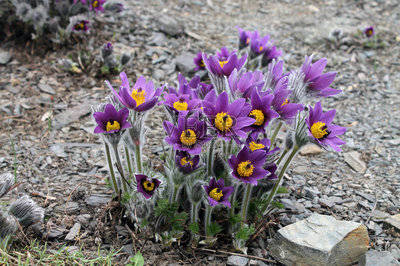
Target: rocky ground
{"points": [[46, 130]]}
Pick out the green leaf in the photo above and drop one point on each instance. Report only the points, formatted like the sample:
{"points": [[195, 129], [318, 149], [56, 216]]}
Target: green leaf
{"points": [[194, 228], [245, 232], [234, 219], [282, 190], [277, 205], [137, 260], [213, 229]]}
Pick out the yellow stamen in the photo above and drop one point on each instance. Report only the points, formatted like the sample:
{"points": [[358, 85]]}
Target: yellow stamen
{"points": [[148, 186], [245, 169], [222, 63], [202, 63], [260, 49], [258, 115], [216, 194], [112, 126], [223, 121], [188, 137], [95, 4], [180, 106], [369, 32], [319, 130], [285, 102], [139, 96], [185, 161], [256, 146], [247, 40]]}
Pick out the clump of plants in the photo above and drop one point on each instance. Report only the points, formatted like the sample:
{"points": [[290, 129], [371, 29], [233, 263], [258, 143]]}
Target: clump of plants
{"points": [[55, 20], [223, 164]]}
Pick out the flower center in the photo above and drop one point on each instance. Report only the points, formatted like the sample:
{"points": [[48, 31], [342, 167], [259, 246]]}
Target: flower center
{"points": [[188, 137], [369, 32], [216, 194], [79, 26], [245, 169], [201, 64], [260, 49], [112, 125], [95, 4], [222, 63], [247, 40], [148, 186], [223, 121], [180, 105], [139, 96], [185, 161], [319, 130], [285, 102], [258, 115], [256, 146]]}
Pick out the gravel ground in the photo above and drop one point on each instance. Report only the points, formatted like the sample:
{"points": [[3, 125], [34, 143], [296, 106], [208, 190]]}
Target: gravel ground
{"points": [[61, 163]]}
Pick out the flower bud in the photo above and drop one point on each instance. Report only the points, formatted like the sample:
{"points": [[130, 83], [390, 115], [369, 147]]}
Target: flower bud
{"points": [[8, 226], [6, 182], [27, 211]]}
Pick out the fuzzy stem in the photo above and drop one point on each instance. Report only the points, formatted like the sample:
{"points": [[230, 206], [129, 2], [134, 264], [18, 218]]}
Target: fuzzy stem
{"points": [[138, 158], [177, 193], [282, 156], [117, 157], [110, 166], [210, 158], [277, 183], [194, 213], [273, 137], [246, 201], [207, 220], [232, 209], [173, 194], [128, 161]]}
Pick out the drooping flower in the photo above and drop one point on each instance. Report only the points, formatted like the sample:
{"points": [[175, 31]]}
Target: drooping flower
{"points": [[228, 120], [244, 38], [261, 111], [321, 129], [242, 83], [198, 61], [147, 186], [82, 25], [217, 193], [256, 144], [247, 166], [369, 31], [140, 98], [270, 53], [107, 50], [316, 82], [185, 162], [97, 5], [282, 103], [189, 135], [111, 121], [224, 63], [258, 44]]}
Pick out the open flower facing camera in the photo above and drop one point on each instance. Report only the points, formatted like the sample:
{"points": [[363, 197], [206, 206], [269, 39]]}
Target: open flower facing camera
{"points": [[222, 149]]}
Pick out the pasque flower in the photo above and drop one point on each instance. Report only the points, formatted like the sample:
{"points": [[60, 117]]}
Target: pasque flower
{"points": [[227, 119], [147, 186], [198, 61], [141, 97], [97, 5], [217, 193], [242, 83], [258, 44], [316, 82], [244, 38], [281, 102], [111, 120], [247, 166], [185, 162], [82, 25], [369, 31], [261, 111], [189, 135], [256, 144], [224, 63], [321, 129], [273, 75], [270, 53]]}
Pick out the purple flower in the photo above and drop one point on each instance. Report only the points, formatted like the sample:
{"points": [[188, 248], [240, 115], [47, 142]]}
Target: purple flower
{"points": [[256, 144], [271, 168], [185, 162], [369, 32], [140, 98], [189, 135], [227, 119], [224, 63], [82, 25], [257, 44], [282, 105], [147, 186], [181, 103], [321, 128], [111, 120], [217, 193], [316, 81], [107, 50], [242, 83], [247, 166], [198, 61], [273, 74], [261, 111], [244, 38], [97, 5], [270, 53]]}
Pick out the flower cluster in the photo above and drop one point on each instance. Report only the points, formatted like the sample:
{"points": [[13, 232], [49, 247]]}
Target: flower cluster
{"points": [[222, 136]]}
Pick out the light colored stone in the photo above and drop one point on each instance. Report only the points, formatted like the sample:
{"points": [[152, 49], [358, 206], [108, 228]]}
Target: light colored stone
{"points": [[5, 57], [310, 149], [393, 221], [353, 159], [320, 240], [73, 232], [378, 258], [184, 63], [237, 261]]}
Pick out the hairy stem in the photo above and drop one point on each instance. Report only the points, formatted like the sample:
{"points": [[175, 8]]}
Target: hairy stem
{"points": [[246, 201], [110, 166], [210, 158], [118, 159], [207, 220], [282, 156], [138, 157], [128, 161], [273, 137]]}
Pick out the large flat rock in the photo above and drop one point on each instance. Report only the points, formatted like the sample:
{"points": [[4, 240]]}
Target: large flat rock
{"points": [[320, 240]]}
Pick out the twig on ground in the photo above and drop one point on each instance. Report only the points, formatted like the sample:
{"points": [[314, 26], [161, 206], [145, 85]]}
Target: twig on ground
{"points": [[236, 254]]}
